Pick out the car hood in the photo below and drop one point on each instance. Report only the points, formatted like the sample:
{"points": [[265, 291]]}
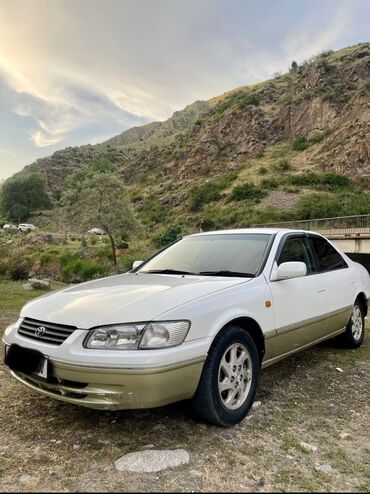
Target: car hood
{"points": [[124, 298]]}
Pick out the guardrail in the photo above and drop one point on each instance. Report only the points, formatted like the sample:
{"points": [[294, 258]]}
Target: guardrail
{"points": [[339, 226]]}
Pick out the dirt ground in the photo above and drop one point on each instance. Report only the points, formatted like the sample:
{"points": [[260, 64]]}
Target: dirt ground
{"points": [[46, 445]]}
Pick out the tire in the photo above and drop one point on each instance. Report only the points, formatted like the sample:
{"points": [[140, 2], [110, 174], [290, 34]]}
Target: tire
{"points": [[355, 330], [218, 407]]}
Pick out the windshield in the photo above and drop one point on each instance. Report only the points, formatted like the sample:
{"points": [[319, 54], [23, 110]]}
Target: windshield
{"points": [[217, 254]]}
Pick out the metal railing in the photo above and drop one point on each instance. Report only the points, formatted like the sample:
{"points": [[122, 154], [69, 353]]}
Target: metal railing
{"points": [[339, 226]]}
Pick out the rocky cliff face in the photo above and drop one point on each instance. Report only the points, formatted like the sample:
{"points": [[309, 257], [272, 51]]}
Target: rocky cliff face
{"points": [[325, 103]]}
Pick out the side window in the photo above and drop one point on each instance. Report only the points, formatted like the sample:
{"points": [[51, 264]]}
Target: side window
{"points": [[329, 259], [296, 249]]}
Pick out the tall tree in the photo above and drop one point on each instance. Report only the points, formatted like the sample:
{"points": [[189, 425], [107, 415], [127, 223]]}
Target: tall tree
{"points": [[21, 195], [100, 200]]}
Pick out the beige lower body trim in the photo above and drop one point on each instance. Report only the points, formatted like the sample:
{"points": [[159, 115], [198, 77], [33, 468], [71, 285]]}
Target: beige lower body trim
{"points": [[272, 361], [114, 389], [296, 337]]}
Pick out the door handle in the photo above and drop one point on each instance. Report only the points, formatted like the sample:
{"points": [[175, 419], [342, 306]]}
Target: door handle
{"points": [[322, 290]]}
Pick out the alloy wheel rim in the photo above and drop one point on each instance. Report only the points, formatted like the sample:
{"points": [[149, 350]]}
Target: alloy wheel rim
{"points": [[356, 319], [235, 376]]}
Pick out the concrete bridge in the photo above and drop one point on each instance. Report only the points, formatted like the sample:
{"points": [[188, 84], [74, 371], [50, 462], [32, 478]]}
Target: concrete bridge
{"points": [[351, 234]]}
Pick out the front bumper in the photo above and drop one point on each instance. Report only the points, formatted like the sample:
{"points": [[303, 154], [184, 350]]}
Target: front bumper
{"points": [[115, 389]]}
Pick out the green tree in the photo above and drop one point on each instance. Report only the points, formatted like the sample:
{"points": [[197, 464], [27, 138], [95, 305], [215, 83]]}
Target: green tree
{"points": [[100, 200], [21, 195], [294, 66]]}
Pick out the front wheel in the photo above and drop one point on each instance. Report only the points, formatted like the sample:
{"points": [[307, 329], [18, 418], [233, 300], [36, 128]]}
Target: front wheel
{"points": [[355, 330], [229, 380]]}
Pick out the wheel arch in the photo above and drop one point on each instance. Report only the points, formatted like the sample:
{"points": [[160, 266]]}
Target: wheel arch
{"points": [[361, 297], [253, 328]]}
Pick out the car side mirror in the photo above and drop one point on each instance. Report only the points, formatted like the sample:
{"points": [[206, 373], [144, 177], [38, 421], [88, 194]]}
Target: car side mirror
{"points": [[293, 269], [136, 264]]}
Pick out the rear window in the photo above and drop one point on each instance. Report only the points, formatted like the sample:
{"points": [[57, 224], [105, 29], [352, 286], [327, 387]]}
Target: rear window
{"points": [[328, 258]]}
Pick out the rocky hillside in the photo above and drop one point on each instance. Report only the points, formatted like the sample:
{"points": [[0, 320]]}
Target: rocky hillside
{"points": [[314, 118]]}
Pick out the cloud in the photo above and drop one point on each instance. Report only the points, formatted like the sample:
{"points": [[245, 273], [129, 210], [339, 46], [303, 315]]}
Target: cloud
{"points": [[6, 152], [74, 70]]}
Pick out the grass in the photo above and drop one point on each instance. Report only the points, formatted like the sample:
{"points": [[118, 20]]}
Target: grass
{"points": [[302, 400]]}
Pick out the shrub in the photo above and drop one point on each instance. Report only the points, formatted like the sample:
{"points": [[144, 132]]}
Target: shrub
{"points": [[300, 144], [202, 194], [167, 235], [208, 224], [325, 205], [269, 183], [122, 244], [246, 191], [152, 211], [75, 269], [323, 181], [238, 99], [282, 166], [262, 170], [209, 191]]}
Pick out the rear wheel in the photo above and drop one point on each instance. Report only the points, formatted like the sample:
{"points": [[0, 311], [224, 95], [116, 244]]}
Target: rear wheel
{"points": [[229, 380], [355, 330]]}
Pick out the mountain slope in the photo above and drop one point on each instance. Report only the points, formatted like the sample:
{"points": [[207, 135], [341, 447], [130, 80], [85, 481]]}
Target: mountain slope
{"points": [[315, 117]]}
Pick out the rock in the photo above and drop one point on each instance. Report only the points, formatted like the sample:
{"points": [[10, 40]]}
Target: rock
{"points": [[76, 447], [307, 446], [152, 460], [325, 467], [25, 478], [339, 369], [149, 446], [27, 286], [227, 434], [40, 284], [159, 427], [195, 473], [256, 404], [344, 435]]}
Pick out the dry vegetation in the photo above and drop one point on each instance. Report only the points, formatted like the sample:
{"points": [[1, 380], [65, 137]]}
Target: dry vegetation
{"points": [[46, 445]]}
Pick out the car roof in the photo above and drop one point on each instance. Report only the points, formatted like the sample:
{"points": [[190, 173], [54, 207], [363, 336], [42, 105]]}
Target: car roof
{"points": [[270, 231]]}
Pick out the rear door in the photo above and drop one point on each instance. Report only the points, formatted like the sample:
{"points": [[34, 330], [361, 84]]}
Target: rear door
{"points": [[338, 279], [300, 304]]}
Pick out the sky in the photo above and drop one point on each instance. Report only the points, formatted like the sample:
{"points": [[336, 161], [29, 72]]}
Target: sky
{"points": [[74, 72]]}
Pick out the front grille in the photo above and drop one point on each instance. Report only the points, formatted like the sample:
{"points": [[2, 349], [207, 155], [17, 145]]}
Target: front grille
{"points": [[54, 334]]}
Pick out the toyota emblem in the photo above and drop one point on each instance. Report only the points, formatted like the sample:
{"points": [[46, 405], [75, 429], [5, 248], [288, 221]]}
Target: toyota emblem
{"points": [[40, 331]]}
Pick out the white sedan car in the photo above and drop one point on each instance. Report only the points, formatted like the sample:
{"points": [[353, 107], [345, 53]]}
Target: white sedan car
{"points": [[26, 227], [198, 320]]}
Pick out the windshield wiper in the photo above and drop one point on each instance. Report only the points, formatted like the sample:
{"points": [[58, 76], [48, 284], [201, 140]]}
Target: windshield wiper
{"points": [[227, 273], [166, 271]]}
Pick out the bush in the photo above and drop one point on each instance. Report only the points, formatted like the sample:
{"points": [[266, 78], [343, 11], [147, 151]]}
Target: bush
{"points": [[246, 191], [282, 166], [325, 205], [75, 269], [209, 191], [208, 224], [323, 181], [300, 144], [269, 183], [262, 170], [152, 211], [167, 235], [238, 99], [16, 265], [122, 244]]}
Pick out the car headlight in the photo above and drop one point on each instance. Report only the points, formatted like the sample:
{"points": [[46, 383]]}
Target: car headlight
{"points": [[161, 334]]}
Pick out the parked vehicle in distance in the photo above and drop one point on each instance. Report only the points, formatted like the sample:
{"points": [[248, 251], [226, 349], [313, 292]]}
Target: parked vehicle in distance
{"points": [[26, 227], [198, 320], [10, 228], [96, 231]]}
